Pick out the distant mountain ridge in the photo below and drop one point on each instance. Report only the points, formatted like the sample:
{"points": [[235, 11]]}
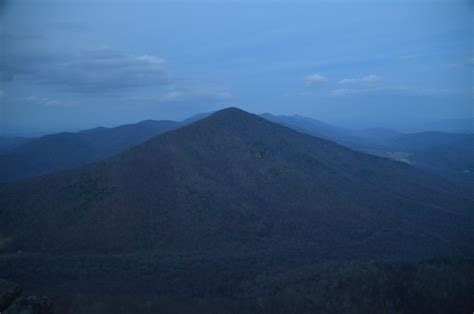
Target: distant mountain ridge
{"points": [[350, 138], [446, 154], [463, 125], [234, 182], [8, 144], [68, 150]]}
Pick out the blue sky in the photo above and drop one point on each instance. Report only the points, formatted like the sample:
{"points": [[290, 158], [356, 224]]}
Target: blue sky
{"points": [[70, 64]]}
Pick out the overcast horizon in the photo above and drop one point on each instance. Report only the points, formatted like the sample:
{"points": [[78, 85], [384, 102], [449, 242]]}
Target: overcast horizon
{"points": [[72, 65]]}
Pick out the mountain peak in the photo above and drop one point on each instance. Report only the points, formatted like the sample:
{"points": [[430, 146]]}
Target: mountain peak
{"points": [[232, 116], [231, 111]]}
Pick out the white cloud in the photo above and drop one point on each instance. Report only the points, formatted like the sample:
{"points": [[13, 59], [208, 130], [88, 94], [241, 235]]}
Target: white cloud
{"points": [[315, 79], [88, 71], [172, 95], [47, 102], [151, 59], [344, 91], [201, 95], [187, 96], [362, 81], [407, 91]]}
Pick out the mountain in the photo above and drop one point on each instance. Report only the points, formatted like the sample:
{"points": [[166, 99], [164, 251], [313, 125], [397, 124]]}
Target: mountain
{"points": [[196, 117], [22, 158], [448, 154], [8, 144], [68, 150], [306, 125], [463, 125], [358, 140], [234, 183], [321, 129], [379, 134]]}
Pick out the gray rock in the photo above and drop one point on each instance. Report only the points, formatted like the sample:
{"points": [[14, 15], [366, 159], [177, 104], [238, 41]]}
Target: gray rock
{"points": [[9, 292], [31, 305]]}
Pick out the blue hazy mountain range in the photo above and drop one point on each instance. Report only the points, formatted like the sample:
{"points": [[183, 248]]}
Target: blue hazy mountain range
{"points": [[445, 153]]}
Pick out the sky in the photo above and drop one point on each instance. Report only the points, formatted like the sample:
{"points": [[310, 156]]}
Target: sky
{"points": [[75, 64]]}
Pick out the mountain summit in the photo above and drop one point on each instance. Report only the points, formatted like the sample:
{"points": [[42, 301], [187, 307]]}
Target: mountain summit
{"points": [[235, 182]]}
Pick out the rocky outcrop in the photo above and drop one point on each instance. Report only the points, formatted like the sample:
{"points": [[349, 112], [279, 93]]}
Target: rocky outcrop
{"points": [[9, 292], [31, 305], [12, 303]]}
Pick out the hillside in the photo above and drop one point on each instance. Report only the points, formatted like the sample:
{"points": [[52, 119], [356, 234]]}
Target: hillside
{"points": [[349, 138], [253, 284], [7, 144], [69, 150], [447, 154], [234, 182]]}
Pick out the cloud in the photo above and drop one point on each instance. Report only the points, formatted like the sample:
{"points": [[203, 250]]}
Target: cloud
{"points": [[353, 86], [345, 91], [47, 102], [362, 81], [186, 95], [109, 70], [315, 79], [399, 91], [470, 61], [90, 71], [25, 64]]}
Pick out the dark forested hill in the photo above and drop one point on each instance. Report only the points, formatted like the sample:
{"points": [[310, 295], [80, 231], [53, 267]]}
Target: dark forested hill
{"points": [[234, 182], [68, 150]]}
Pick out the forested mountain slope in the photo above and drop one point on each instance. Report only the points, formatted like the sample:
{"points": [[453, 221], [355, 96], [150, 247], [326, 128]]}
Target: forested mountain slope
{"points": [[234, 182]]}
